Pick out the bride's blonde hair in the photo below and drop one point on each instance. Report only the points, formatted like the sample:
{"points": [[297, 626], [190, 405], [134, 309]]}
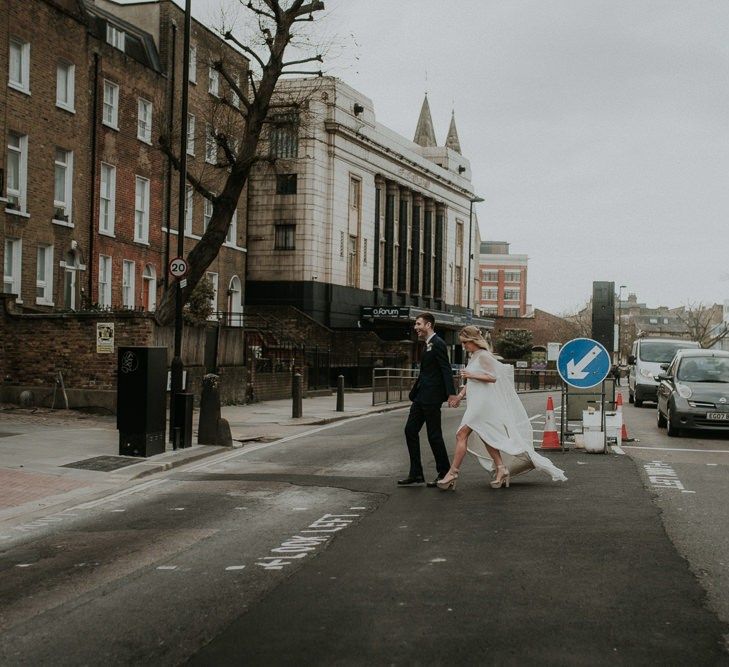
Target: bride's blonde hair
{"points": [[473, 334]]}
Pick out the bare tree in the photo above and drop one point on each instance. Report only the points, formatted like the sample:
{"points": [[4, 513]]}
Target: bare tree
{"points": [[238, 141], [581, 318], [701, 321]]}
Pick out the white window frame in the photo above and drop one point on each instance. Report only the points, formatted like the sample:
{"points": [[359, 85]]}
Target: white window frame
{"points": [[213, 82], [45, 282], [128, 269], [65, 162], [189, 208], [211, 146], [65, 94], [207, 213], [149, 283], [144, 120], [141, 209], [105, 274], [191, 134], [192, 72], [116, 37], [22, 56], [13, 277], [232, 235], [21, 192], [108, 196], [110, 115]]}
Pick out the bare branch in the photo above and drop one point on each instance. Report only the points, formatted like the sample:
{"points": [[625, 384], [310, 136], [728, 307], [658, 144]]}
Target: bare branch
{"points": [[275, 8], [294, 71], [197, 185], [253, 84], [314, 6], [233, 84], [317, 58], [260, 12], [229, 36], [222, 140]]}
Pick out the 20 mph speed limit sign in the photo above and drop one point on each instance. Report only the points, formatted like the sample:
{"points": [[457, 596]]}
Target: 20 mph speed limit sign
{"points": [[178, 267]]}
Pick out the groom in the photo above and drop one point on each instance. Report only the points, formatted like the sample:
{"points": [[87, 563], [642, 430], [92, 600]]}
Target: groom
{"points": [[433, 386]]}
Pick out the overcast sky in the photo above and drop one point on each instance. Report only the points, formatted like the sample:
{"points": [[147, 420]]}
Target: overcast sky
{"points": [[597, 130]]}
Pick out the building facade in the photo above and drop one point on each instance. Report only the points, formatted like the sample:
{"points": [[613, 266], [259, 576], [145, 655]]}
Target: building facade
{"points": [[90, 201], [503, 281], [354, 224]]}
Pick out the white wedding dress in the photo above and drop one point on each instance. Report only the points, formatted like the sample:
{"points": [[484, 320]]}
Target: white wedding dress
{"points": [[496, 415]]}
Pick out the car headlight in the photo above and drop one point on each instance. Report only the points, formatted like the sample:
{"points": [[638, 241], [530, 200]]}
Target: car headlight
{"points": [[646, 373], [684, 391]]}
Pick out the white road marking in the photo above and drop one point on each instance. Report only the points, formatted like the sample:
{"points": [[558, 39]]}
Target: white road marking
{"points": [[712, 464], [120, 494], [234, 567], [167, 567], [677, 449], [177, 509], [437, 560], [118, 510], [298, 509], [358, 508], [241, 508], [24, 564], [663, 476], [617, 450]]}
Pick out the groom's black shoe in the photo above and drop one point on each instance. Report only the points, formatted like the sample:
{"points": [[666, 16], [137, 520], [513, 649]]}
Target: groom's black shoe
{"points": [[434, 483], [411, 480]]}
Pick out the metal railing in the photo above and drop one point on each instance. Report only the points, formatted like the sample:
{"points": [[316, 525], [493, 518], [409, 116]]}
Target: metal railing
{"points": [[392, 385]]}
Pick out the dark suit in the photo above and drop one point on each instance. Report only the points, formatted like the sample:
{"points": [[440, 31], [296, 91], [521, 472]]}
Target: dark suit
{"points": [[433, 386]]}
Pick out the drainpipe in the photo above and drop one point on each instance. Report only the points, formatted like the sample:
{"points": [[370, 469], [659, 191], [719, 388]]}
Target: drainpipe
{"points": [[92, 198], [168, 187]]}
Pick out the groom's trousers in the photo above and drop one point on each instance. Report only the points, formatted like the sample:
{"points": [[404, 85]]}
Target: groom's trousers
{"points": [[428, 414]]}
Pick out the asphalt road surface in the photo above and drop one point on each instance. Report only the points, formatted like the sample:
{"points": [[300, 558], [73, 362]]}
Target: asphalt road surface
{"points": [[305, 552], [689, 477]]}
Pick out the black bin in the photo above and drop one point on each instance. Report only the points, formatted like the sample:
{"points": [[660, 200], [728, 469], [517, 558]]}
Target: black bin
{"points": [[141, 400], [183, 419]]}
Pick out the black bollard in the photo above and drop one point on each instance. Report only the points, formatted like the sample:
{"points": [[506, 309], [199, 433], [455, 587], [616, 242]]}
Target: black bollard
{"points": [[207, 429], [296, 395], [340, 393]]}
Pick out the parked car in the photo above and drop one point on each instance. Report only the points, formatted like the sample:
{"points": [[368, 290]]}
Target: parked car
{"points": [[693, 392], [645, 363]]}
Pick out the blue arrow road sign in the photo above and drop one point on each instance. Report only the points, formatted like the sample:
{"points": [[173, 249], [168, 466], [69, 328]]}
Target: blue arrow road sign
{"points": [[583, 363]]}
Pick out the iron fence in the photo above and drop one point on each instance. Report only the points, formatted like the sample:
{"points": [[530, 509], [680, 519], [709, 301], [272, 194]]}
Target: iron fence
{"points": [[392, 385]]}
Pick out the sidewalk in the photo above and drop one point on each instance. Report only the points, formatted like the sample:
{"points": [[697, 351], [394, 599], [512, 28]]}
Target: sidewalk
{"points": [[56, 458]]}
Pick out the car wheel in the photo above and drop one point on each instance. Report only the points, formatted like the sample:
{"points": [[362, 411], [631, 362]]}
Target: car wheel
{"points": [[673, 431], [638, 402], [630, 396], [660, 420]]}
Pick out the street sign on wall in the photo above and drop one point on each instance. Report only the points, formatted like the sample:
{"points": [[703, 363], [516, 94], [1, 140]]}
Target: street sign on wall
{"points": [[583, 363]]}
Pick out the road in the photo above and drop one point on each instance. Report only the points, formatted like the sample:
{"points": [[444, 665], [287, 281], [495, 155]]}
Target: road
{"points": [[305, 551], [689, 477]]}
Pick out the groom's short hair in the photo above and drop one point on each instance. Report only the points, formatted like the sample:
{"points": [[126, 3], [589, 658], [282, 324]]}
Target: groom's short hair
{"points": [[427, 317]]}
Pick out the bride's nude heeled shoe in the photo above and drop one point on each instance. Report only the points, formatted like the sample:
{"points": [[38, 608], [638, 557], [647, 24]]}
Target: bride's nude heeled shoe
{"points": [[449, 480], [503, 480]]}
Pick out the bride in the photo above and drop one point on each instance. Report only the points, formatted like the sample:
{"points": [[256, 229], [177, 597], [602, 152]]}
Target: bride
{"points": [[497, 416]]}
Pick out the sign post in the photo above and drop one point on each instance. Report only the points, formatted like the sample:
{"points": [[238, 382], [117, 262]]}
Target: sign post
{"points": [[583, 363]]}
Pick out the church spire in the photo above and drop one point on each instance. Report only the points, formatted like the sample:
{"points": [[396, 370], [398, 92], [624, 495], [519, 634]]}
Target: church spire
{"points": [[424, 133], [452, 138]]}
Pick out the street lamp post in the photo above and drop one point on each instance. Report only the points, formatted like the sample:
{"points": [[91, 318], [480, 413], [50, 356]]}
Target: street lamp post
{"points": [[474, 200], [177, 368]]}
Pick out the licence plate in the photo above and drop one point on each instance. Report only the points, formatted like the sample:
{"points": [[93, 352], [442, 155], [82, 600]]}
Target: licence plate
{"points": [[719, 416]]}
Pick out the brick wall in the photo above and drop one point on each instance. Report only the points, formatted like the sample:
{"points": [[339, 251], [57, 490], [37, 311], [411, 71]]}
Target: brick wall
{"points": [[545, 327]]}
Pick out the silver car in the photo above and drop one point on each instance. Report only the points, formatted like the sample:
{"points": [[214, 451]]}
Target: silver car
{"points": [[693, 392]]}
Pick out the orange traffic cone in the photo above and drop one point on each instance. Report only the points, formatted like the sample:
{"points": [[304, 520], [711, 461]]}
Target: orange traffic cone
{"points": [[619, 409], [550, 439]]}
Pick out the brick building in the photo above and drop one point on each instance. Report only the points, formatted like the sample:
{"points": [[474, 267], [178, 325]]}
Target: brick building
{"points": [[90, 213], [503, 278]]}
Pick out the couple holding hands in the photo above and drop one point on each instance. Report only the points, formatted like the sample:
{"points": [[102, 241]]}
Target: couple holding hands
{"points": [[494, 412]]}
